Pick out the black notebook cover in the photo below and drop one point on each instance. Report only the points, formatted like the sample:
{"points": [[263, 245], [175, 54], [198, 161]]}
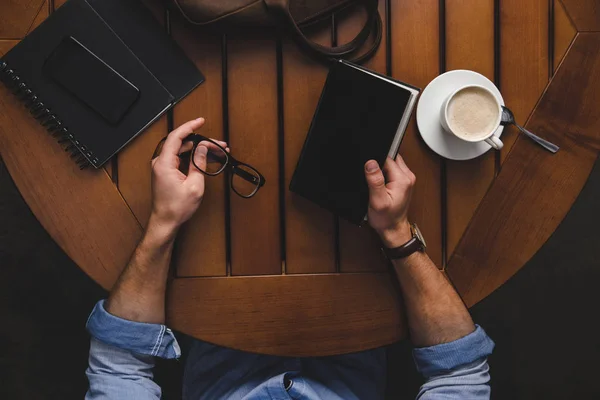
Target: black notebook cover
{"points": [[357, 119], [124, 36]]}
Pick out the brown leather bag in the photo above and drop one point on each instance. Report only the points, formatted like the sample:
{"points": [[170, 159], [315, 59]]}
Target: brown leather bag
{"points": [[293, 16]]}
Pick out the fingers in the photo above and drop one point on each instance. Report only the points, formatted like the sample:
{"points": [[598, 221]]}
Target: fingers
{"points": [[195, 178], [185, 147], [221, 143], [392, 171], [212, 147], [402, 165], [200, 156], [214, 151], [378, 196], [174, 140]]}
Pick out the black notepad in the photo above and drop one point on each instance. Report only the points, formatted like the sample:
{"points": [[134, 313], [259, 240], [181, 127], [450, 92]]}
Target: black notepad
{"points": [[361, 115], [96, 73]]}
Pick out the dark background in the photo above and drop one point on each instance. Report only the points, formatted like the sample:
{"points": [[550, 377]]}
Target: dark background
{"points": [[544, 320]]}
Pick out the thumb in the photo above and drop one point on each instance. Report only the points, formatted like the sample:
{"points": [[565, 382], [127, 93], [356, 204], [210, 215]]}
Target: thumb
{"points": [[200, 157], [194, 176], [376, 182]]}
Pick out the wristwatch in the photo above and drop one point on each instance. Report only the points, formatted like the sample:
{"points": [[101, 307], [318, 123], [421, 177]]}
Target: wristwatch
{"points": [[417, 243]]}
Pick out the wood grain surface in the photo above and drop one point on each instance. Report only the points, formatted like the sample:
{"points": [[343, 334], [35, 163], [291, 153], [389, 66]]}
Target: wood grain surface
{"points": [[201, 247], [415, 59], [41, 16], [585, 14], [564, 32], [469, 45], [253, 137], [270, 315], [17, 17], [523, 31], [134, 169], [535, 189]]}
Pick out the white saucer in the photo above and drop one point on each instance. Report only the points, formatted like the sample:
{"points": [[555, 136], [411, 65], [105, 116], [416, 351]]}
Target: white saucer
{"points": [[428, 115]]}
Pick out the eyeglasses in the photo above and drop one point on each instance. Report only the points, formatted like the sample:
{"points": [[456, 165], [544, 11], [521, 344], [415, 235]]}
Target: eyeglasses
{"points": [[245, 180]]}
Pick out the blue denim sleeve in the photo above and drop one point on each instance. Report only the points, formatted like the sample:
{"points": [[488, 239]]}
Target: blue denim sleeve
{"points": [[122, 356], [456, 369]]}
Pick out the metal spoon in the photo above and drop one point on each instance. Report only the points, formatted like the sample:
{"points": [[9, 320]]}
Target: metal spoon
{"points": [[509, 118]]}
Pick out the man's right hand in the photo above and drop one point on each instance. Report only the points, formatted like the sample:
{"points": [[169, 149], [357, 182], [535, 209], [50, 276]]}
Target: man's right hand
{"points": [[175, 196], [390, 192]]}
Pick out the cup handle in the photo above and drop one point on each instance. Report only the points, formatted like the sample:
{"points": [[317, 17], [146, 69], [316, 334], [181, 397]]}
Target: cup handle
{"points": [[495, 142]]}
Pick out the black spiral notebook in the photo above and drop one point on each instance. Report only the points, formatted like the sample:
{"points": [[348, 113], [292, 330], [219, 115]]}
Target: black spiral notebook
{"points": [[361, 115], [96, 73]]}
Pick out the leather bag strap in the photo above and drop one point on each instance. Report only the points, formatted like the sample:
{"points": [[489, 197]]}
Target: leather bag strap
{"points": [[282, 10]]}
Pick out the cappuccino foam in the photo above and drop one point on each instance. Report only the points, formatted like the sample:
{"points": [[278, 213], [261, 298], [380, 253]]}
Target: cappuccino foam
{"points": [[472, 113]]}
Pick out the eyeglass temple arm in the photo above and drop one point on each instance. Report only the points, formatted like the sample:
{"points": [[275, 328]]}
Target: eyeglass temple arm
{"points": [[246, 175]]}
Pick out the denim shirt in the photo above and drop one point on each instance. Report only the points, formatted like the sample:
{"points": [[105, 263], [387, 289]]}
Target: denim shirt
{"points": [[122, 357]]}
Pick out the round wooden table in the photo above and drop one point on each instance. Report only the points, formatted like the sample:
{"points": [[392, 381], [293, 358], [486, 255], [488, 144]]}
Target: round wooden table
{"points": [[276, 274]]}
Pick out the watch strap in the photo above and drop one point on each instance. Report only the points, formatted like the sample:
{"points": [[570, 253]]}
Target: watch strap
{"points": [[410, 247]]}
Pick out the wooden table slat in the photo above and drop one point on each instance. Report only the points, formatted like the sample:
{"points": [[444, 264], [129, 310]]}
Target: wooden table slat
{"points": [[270, 315], [132, 173], [310, 244], [469, 45], [201, 247], [18, 16], [523, 59], [41, 16], [415, 59], [360, 248], [564, 32], [254, 138], [585, 14]]}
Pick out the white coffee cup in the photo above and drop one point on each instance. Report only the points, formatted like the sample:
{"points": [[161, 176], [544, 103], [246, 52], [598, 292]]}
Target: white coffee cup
{"points": [[472, 113]]}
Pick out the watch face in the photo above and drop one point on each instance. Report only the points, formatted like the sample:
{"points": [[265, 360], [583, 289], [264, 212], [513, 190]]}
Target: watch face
{"points": [[417, 233]]}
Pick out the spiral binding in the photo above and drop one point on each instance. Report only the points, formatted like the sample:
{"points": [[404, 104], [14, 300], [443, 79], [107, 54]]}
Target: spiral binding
{"points": [[79, 153]]}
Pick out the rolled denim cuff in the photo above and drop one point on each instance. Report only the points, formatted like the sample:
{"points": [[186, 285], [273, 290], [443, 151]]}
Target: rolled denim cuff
{"points": [[444, 357], [138, 337]]}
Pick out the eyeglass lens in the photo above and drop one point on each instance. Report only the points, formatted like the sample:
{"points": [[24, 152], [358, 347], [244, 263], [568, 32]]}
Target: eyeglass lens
{"points": [[245, 180], [216, 158]]}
